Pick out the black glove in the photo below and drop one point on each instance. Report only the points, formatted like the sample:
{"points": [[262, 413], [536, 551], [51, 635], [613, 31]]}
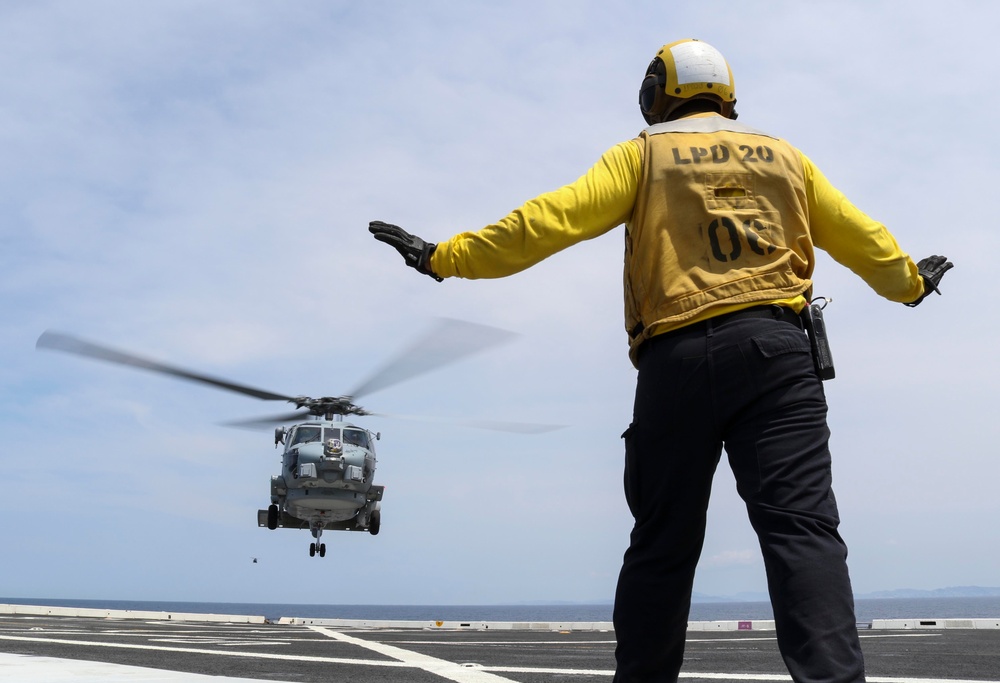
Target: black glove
{"points": [[931, 269], [414, 250]]}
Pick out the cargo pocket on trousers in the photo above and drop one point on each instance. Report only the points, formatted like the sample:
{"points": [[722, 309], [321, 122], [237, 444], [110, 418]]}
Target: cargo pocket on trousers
{"points": [[791, 341], [777, 353], [631, 477]]}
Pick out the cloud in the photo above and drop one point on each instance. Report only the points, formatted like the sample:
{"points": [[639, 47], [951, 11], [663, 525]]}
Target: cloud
{"points": [[192, 182]]}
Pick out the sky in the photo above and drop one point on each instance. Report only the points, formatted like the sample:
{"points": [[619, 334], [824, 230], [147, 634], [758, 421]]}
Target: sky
{"points": [[193, 181]]}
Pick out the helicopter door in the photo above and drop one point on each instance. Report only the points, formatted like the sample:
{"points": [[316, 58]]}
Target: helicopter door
{"points": [[360, 438]]}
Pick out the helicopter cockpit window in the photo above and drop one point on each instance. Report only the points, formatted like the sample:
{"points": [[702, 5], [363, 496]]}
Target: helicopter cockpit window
{"points": [[305, 434], [331, 433], [357, 437]]}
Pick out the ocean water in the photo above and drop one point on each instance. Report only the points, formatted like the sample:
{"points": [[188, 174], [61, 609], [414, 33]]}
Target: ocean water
{"points": [[866, 610]]}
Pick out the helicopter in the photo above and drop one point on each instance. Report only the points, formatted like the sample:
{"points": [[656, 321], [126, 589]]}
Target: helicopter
{"points": [[328, 464]]}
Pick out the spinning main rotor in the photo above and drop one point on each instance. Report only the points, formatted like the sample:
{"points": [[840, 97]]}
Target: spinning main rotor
{"points": [[447, 342]]}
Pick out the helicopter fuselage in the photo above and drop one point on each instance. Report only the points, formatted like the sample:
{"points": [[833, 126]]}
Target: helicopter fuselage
{"points": [[326, 480]]}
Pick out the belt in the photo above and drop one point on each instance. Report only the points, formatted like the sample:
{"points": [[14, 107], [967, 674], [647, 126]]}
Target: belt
{"points": [[772, 311]]}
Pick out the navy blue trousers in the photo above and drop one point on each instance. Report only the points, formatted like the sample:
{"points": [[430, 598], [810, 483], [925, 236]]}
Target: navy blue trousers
{"points": [[747, 385]]}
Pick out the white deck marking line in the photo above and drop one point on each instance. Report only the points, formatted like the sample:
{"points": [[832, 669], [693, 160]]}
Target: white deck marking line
{"points": [[889, 679], [33, 669], [438, 667], [540, 670], [204, 651], [777, 677], [447, 643], [716, 676], [900, 635]]}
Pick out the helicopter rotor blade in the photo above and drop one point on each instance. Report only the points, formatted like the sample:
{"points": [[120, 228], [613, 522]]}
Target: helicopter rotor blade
{"points": [[449, 341], [268, 421], [491, 425], [58, 341]]}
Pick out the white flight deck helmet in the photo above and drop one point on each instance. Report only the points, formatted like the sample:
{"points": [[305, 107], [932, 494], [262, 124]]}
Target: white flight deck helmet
{"points": [[684, 71]]}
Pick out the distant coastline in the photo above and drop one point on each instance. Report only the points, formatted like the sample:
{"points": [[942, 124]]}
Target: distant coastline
{"points": [[899, 593], [953, 592]]}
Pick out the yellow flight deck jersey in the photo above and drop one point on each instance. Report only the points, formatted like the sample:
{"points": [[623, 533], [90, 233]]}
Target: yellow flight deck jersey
{"points": [[718, 217]]}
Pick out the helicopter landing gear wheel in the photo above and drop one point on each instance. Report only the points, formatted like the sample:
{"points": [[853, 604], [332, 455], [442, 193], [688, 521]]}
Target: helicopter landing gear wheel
{"points": [[272, 517], [316, 528], [375, 523]]}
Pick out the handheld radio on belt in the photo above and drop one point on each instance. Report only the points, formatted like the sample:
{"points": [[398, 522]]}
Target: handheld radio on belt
{"points": [[812, 321]]}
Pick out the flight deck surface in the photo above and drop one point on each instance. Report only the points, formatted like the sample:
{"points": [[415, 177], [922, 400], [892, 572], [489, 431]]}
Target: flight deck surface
{"points": [[70, 649]]}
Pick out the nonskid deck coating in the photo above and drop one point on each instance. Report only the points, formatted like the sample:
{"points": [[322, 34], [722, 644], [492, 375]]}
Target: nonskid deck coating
{"points": [[183, 648]]}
